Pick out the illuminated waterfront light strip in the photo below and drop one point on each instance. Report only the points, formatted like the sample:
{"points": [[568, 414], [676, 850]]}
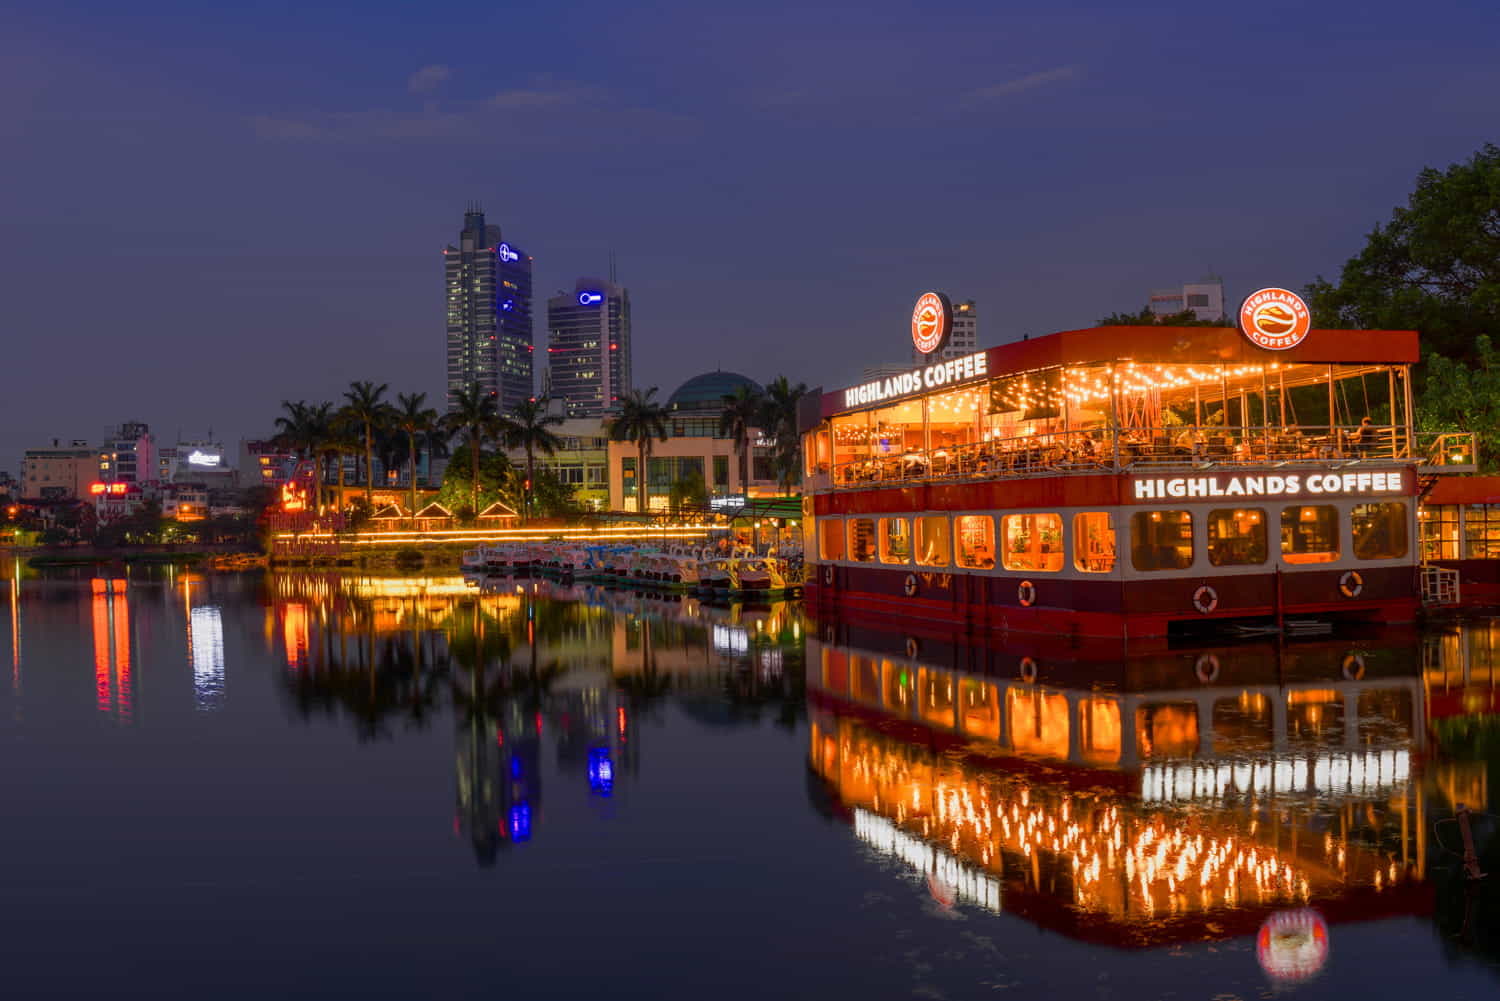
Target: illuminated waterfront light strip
{"points": [[1326, 774], [506, 535], [972, 886]]}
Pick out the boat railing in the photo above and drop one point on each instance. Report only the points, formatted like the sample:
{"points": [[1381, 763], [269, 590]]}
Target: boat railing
{"points": [[1181, 446], [1453, 450]]}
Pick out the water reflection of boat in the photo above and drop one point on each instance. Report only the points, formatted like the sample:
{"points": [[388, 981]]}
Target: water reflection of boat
{"points": [[1154, 802]]}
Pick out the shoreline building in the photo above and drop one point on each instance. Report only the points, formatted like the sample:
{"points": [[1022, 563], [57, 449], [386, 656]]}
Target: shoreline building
{"points": [[1204, 298], [487, 283], [60, 472], [695, 450], [128, 454], [588, 347]]}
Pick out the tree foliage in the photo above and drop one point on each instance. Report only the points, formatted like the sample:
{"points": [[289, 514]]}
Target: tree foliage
{"points": [[1434, 268], [641, 420], [498, 481], [1146, 318], [1465, 396], [779, 421]]}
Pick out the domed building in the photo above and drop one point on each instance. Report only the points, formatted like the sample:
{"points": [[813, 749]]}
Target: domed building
{"points": [[694, 450], [707, 391]]}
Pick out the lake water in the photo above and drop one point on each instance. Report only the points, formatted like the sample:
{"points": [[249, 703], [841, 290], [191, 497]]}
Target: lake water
{"points": [[244, 786]]}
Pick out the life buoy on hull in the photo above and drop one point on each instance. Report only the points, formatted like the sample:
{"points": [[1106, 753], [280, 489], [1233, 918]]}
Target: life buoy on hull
{"points": [[1205, 599], [1026, 593], [1351, 584], [910, 585]]}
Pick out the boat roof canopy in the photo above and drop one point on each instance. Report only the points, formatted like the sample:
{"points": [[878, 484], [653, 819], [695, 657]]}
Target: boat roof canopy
{"points": [[1452, 490], [1167, 345]]}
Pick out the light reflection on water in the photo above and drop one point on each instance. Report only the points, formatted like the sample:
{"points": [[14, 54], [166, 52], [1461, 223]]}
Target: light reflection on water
{"points": [[1145, 804]]}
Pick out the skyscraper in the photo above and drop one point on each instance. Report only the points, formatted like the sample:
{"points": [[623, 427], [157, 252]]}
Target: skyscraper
{"points": [[488, 283], [588, 347]]}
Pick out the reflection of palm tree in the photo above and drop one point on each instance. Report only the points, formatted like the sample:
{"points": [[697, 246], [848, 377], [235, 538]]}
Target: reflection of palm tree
{"points": [[647, 689]]}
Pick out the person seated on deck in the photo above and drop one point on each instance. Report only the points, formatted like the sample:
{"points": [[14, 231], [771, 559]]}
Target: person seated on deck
{"points": [[1190, 441]]}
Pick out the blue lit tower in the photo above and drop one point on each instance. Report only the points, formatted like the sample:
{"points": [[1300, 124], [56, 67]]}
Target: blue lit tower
{"points": [[488, 286], [588, 347]]}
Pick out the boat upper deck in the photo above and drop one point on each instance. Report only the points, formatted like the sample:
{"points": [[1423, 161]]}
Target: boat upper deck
{"points": [[1129, 399]]}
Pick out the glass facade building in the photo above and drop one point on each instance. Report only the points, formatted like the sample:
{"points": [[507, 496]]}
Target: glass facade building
{"points": [[588, 347], [489, 325]]}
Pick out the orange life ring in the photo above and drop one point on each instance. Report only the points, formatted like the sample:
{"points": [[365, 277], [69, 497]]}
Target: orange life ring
{"points": [[1207, 668], [910, 585], [1028, 670], [1205, 599], [1351, 584], [1026, 593], [1353, 666]]}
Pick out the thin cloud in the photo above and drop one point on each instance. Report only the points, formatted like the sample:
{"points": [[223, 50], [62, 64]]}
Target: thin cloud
{"points": [[543, 114], [1025, 83], [428, 78]]}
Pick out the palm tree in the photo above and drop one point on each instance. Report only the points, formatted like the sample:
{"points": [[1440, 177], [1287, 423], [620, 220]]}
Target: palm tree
{"points": [[473, 415], [742, 412], [307, 428], [293, 429], [640, 419], [529, 429], [414, 417], [366, 408], [779, 418], [340, 441]]}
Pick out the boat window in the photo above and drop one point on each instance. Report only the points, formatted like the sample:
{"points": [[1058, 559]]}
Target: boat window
{"points": [[1093, 542], [864, 679], [932, 540], [1038, 722], [831, 539], [976, 541], [936, 697], [862, 540], [1437, 527], [1099, 730], [1379, 530], [1310, 534], [979, 709], [895, 540], [1161, 540], [900, 686], [1166, 730], [1032, 542], [1482, 531], [1237, 536]]}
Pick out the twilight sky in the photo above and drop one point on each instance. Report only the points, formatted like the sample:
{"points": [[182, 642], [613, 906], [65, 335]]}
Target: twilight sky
{"points": [[205, 209]]}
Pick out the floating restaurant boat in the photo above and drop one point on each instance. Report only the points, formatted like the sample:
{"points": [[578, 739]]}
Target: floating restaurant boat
{"points": [[1127, 481]]}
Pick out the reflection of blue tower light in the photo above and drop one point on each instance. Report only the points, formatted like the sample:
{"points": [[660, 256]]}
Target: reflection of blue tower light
{"points": [[507, 305], [520, 822], [515, 768], [601, 771]]}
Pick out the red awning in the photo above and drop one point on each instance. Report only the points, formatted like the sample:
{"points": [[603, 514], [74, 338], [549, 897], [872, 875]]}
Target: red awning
{"points": [[1464, 490]]}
